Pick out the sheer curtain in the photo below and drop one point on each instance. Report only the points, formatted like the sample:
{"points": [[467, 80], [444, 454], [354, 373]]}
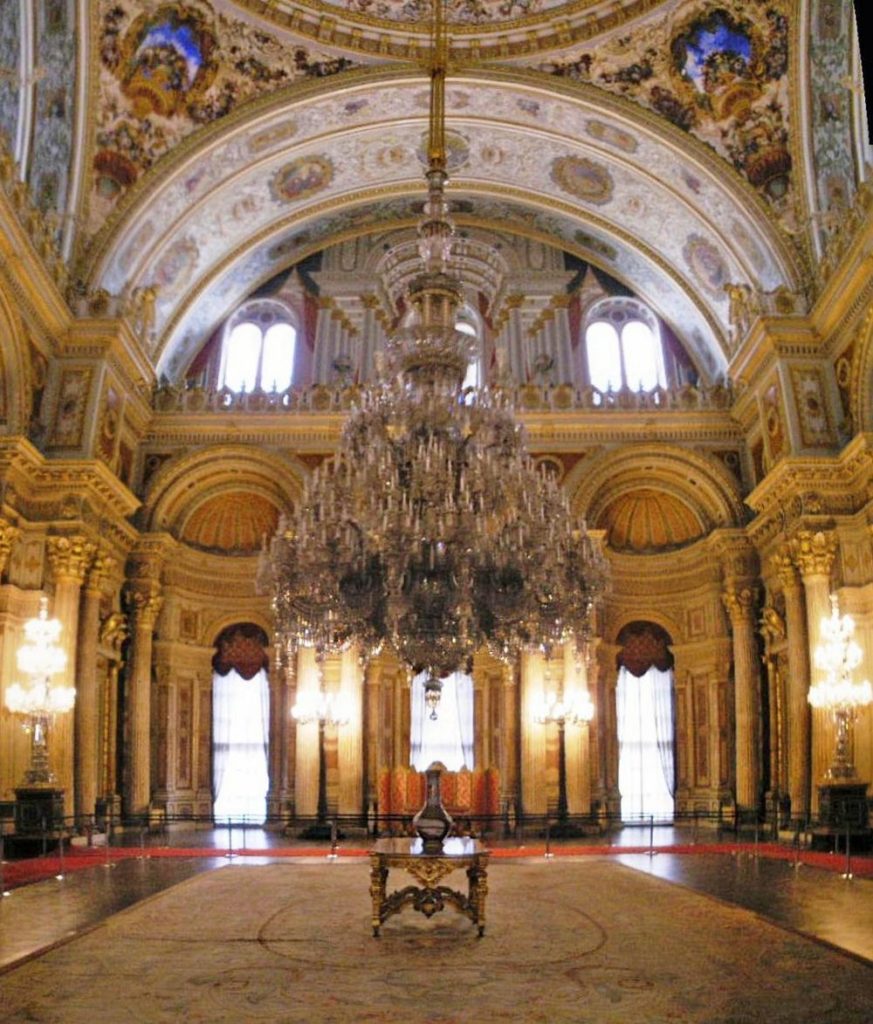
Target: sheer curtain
{"points": [[240, 736], [645, 743], [450, 738]]}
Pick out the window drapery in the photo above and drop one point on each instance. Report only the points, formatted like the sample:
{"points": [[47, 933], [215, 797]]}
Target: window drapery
{"points": [[646, 769], [240, 737], [450, 738]]}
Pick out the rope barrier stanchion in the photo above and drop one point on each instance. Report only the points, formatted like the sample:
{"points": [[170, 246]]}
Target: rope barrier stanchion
{"points": [[333, 841], [142, 852], [755, 853], [847, 874], [651, 835], [230, 853], [60, 875], [796, 844], [3, 890], [548, 854]]}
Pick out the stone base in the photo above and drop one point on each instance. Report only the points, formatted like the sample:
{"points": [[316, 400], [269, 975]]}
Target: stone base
{"points": [[843, 813]]}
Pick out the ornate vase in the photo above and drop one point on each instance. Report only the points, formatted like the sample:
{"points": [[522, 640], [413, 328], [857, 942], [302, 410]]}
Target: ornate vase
{"points": [[433, 822]]}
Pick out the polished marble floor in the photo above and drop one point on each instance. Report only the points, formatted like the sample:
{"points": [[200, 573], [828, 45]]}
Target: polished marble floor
{"points": [[815, 902]]}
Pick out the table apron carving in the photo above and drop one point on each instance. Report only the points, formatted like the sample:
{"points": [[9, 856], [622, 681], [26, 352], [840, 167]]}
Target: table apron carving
{"points": [[429, 896]]}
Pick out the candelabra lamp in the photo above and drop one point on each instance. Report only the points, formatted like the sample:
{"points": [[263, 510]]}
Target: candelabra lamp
{"points": [[573, 709], [842, 795], [327, 710], [39, 802]]}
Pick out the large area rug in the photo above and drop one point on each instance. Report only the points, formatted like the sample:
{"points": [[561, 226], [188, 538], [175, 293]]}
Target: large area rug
{"points": [[567, 942]]}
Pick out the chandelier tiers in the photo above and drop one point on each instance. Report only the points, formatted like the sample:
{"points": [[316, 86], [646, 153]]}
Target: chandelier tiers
{"points": [[838, 655], [431, 529], [40, 657]]}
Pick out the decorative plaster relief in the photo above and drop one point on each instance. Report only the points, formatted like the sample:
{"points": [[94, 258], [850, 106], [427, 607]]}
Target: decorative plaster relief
{"points": [[496, 152], [167, 71]]}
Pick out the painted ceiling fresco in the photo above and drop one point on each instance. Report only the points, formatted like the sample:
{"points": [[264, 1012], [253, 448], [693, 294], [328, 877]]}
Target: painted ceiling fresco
{"points": [[170, 69], [718, 72]]}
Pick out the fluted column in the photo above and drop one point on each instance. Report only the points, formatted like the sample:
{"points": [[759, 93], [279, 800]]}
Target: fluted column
{"points": [[144, 595], [814, 553], [797, 687], [560, 329], [739, 600], [86, 714], [511, 337], [69, 558]]}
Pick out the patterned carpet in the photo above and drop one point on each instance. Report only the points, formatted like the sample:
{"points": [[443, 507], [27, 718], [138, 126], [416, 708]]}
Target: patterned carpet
{"points": [[568, 942]]}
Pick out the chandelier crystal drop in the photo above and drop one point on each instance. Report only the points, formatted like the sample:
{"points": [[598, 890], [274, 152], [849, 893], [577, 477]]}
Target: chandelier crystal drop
{"points": [[431, 529]]}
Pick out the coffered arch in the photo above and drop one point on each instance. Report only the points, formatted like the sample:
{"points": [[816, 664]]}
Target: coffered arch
{"points": [[237, 202], [653, 497], [223, 498]]}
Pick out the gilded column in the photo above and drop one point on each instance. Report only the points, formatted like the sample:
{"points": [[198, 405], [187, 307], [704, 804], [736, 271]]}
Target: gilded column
{"points": [[86, 716], [9, 535], [144, 595], [797, 689], [814, 554], [739, 600], [69, 558]]}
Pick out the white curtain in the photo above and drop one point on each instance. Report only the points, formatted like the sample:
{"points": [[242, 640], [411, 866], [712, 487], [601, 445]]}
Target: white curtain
{"points": [[645, 743], [450, 738], [240, 737]]}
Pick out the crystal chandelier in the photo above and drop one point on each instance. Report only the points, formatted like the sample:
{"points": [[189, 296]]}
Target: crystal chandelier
{"points": [[431, 529], [40, 657], [838, 656]]}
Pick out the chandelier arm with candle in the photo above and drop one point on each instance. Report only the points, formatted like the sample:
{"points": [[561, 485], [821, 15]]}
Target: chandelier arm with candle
{"points": [[431, 529]]}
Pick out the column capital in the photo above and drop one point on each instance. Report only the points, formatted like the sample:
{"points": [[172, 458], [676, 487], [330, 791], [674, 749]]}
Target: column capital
{"points": [[101, 569], [9, 534], [145, 601], [814, 552], [739, 601], [736, 553], [70, 557], [785, 567]]}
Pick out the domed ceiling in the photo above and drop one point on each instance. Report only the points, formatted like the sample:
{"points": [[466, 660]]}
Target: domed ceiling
{"points": [[233, 522], [648, 520]]}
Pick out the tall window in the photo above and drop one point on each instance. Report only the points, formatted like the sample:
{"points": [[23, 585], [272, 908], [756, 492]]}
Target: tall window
{"points": [[644, 706], [623, 346], [449, 736], [468, 323], [258, 349], [240, 724]]}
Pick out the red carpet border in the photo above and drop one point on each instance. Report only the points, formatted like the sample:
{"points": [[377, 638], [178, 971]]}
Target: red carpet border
{"points": [[16, 873]]}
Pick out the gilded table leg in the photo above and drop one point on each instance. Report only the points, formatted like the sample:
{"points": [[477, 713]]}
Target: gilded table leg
{"points": [[478, 890], [378, 878]]}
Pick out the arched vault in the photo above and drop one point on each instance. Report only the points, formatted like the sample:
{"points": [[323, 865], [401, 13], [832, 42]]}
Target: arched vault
{"points": [[321, 161]]}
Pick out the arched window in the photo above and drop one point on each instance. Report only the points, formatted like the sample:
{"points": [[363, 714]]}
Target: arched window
{"points": [[644, 706], [623, 346], [259, 346], [240, 724], [467, 322], [449, 736]]}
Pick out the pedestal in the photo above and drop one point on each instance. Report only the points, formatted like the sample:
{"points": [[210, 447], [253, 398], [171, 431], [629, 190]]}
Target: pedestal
{"points": [[38, 809], [842, 812]]}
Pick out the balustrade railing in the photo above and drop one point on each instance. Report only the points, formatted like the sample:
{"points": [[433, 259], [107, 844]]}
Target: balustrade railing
{"points": [[324, 398]]}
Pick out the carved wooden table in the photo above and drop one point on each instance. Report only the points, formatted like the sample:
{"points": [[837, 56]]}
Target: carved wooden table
{"points": [[429, 869]]}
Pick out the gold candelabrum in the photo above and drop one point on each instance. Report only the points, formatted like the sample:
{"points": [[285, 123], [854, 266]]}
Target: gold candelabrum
{"points": [[38, 701], [838, 655], [431, 529], [558, 707]]}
